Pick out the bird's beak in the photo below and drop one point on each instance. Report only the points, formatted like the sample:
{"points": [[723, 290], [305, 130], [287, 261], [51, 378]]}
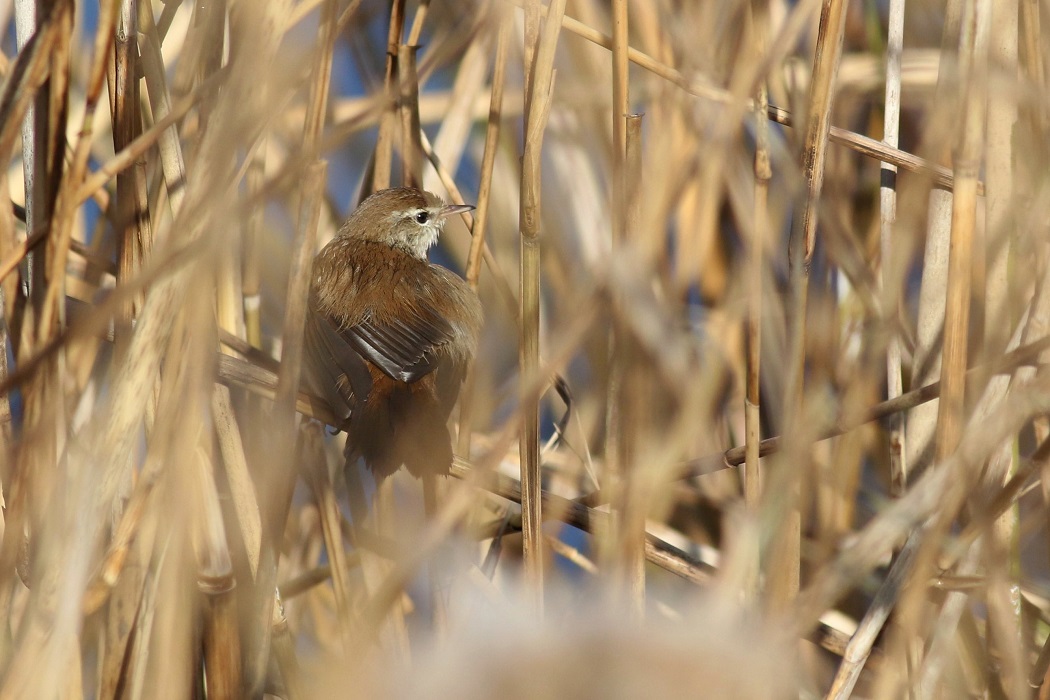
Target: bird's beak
{"points": [[452, 209]]}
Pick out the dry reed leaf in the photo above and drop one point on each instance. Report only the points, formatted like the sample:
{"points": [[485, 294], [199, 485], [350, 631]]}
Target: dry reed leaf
{"points": [[163, 533]]}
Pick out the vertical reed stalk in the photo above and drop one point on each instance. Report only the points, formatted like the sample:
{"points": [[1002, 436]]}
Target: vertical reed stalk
{"points": [[621, 106], [1003, 550], [969, 147], [408, 108], [488, 159], [539, 73], [636, 405], [529, 350], [303, 248], [381, 177], [149, 521], [860, 644], [480, 228], [620, 426], [132, 213], [909, 646], [784, 577], [887, 219], [250, 274], [763, 171]]}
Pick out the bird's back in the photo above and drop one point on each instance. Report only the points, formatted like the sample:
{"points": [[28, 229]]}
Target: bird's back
{"points": [[388, 342]]}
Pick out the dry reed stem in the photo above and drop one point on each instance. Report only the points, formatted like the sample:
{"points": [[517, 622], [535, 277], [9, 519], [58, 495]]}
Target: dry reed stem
{"points": [[25, 102], [222, 649], [488, 160], [860, 644], [158, 631], [887, 220], [635, 403], [5, 403], [458, 117], [818, 124], [967, 160], [309, 212], [615, 546], [381, 177], [389, 592], [170, 149], [923, 544], [1033, 70], [262, 381], [130, 154], [756, 264], [916, 397], [785, 573], [132, 209], [657, 552], [997, 392], [323, 489], [242, 488], [196, 541], [391, 629], [412, 176], [145, 348], [121, 622], [214, 563], [29, 33], [479, 230], [51, 114], [320, 86], [127, 530], [763, 172], [864, 145], [53, 309], [1037, 677], [1005, 498], [621, 107], [294, 319], [417, 23], [967, 152], [724, 122], [872, 148], [539, 78], [258, 380], [221, 635], [251, 274], [859, 648], [922, 500], [499, 277], [1003, 595], [921, 424], [408, 109], [284, 651]]}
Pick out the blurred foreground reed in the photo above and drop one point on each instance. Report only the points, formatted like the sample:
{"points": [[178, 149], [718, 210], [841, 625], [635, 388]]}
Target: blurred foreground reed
{"points": [[788, 258]]}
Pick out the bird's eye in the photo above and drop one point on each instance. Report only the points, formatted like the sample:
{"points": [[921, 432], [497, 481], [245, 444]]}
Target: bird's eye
{"points": [[422, 217]]}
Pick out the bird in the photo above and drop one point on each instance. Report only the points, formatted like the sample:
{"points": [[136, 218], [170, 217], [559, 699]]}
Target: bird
{"points": [[389, 335]]}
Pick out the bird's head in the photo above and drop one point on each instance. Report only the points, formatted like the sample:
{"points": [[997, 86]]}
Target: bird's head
{"points": [[404, 218]]}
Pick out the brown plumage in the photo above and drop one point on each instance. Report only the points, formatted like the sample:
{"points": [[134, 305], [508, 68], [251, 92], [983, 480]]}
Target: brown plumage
{"points": [[389, 335]]}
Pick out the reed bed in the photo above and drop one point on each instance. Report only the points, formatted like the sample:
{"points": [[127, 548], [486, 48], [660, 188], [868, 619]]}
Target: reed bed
{"points": [[759, 409]]}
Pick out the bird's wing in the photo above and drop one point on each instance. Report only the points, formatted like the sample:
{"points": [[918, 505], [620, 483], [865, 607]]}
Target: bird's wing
{"points": [[335, 369], [403, 348]]}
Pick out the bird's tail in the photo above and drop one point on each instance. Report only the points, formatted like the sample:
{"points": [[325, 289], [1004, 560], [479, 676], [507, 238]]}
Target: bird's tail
{"points": [[407, 428]]}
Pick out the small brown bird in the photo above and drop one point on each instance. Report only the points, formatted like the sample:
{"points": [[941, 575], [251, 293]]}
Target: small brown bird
{"points": [[389, 335]]}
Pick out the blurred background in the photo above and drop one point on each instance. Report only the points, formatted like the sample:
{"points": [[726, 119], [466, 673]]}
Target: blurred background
{"points": [[759, 407]]}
